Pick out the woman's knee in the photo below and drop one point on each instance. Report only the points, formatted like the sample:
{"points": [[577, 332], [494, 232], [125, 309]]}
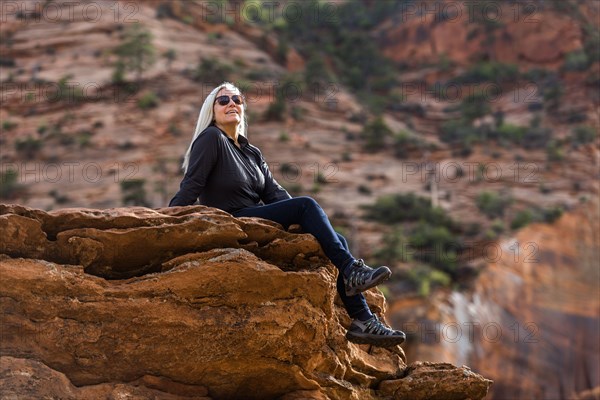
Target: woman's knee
{"points": [[342, 240], [307, 201]]}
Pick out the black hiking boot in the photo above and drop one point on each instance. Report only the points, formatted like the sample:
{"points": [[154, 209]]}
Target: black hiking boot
{"points": [[360, 277], [374, 332]]}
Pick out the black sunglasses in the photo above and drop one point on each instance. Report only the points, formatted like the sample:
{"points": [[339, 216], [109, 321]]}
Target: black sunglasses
{"points": [[224, 100]]}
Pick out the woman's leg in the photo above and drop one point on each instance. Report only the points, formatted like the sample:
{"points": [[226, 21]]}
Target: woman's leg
{"points": [[353, 276], [306, 212], [365, 327], [356, 305]]}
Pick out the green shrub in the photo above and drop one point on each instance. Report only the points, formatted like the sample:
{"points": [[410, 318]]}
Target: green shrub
{"points": [[28, 146], [574, 117], [549, 215], [472, 229], [552, 93], [436, 245], [66, 92], [174, 130], [535, 214], [42, 128], [287, 169], [164, 10], [489, 71], [475, 106], [537, 74], [136, 52], [554, 151], [148, 100], [364, 189], [375, 133], [211, 70], [405, 144], [297, 113], [591, 43], [536, 138], [426, 278], [65, 139], [497, 226], [544, 188], [511, 133], [576, 61], [8, 125], [58, 197], [9, 183], [316, 72], [459, 132], [394, 248], [84, 138], [170, 55], [492, 204], [133, 192], [284, 136], [522, 218], [583, 134], [391, 209], [320, 178]]}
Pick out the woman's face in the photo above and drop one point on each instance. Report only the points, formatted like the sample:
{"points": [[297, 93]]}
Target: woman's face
{"points": [[230, 113]]}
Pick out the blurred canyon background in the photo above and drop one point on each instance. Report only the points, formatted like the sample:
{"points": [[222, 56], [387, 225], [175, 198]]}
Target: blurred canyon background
{"points": [[455, 141]]}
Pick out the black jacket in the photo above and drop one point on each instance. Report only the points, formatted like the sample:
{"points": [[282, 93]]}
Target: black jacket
{"points": [[224, 176]]}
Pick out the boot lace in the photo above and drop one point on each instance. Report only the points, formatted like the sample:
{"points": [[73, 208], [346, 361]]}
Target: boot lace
{"points": [[375, 326], [360, 273]]}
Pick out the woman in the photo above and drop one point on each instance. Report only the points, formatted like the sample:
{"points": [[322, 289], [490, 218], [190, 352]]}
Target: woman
{"points": [[225, 171]]}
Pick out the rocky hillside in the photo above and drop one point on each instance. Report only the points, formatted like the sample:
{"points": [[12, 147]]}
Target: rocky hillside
{"points": [[240, 308]]}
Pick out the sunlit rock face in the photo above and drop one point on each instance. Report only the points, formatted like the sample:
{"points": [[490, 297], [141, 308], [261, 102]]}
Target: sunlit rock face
{"points": [[186, 302]]}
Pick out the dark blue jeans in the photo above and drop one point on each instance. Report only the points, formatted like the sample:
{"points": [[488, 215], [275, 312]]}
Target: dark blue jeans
{"points": [[306, 212]]}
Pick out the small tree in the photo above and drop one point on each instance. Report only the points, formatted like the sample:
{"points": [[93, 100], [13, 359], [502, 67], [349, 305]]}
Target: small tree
{"points": [[136, 53], [375, 133]]}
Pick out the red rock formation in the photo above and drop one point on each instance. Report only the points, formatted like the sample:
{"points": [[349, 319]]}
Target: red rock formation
{"points": [[217, 318], [533, 312], [424, 33]]}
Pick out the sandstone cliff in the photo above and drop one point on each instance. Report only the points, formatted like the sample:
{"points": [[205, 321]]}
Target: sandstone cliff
{"points": [[208, 306], [535, 307]]}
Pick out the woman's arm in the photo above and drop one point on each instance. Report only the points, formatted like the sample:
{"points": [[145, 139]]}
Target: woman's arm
{"points": [[273, 191], [203, 158]]}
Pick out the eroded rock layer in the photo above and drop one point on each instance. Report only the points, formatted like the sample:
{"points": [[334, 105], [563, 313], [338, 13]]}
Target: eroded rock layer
{"points": [[199, 304]]}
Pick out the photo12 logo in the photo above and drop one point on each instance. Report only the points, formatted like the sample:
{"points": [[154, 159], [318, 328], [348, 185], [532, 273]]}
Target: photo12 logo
{"points": [[470, 10], [69, 171], [68, 11], [473, 331]]}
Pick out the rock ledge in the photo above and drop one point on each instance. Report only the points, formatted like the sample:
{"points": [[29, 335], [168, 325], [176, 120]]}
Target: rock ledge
{"points": [[186, 303]]}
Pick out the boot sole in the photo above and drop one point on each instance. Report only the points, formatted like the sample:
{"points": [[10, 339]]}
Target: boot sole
{"points": [[380, 341], [380, 279]]}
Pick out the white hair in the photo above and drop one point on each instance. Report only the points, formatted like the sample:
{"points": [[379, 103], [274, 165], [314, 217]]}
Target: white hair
{"points": [[206, 118]]}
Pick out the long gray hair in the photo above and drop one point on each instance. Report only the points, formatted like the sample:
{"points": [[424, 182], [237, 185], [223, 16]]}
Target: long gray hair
{"points": [[206, 118]]}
